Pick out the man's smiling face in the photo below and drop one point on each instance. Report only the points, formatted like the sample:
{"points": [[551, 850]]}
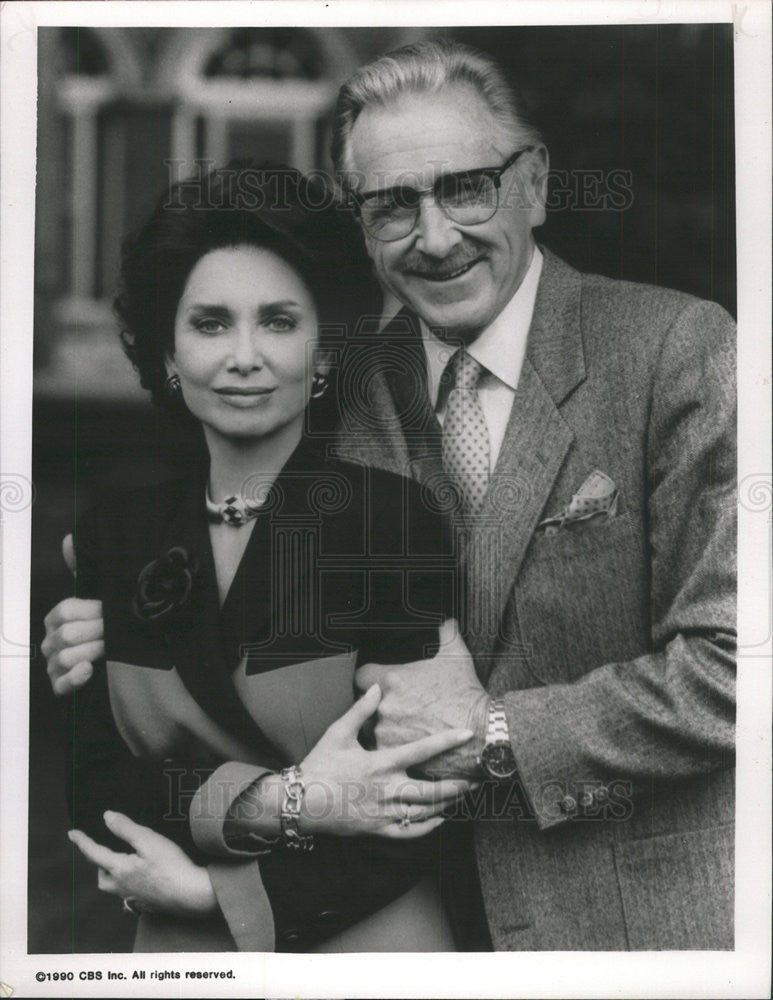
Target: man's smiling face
{"points": [[454, 276]]}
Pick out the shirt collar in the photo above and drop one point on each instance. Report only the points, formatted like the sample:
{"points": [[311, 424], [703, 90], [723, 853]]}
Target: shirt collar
{"points": [[501, 347]]}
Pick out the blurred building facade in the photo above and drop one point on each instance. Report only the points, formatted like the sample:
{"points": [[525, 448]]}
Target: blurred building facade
{"points": [[122, 111]]}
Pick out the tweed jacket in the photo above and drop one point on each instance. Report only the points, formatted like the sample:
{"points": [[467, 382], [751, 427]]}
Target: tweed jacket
{"points": [[610, 641], [196, 701]]}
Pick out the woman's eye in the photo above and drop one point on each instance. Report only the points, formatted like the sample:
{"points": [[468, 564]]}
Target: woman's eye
{"points": [[281, 324], [210, 325]]}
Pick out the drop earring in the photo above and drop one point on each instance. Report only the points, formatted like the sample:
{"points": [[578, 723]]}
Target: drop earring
{"points": [[319, 385]]}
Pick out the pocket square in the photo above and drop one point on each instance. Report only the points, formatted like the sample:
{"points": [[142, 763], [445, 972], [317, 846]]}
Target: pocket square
{"points": [[595, 500]]}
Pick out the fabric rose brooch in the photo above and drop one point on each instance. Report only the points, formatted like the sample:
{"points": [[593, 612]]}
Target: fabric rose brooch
{"points": [[164, 585]]}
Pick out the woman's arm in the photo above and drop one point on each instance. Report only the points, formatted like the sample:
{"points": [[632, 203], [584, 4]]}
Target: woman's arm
{"points": [[101, 772], [279, 893], [157, 876], [349, 791], [269, 898], [106, 776], [377, 867], [347, 876]]}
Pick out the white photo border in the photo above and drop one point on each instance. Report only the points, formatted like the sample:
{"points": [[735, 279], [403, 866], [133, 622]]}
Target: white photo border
{"points": [[743, 973]]}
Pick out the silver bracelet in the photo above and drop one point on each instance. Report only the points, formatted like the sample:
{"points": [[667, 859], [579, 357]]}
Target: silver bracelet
{"points": [[291, 810]]}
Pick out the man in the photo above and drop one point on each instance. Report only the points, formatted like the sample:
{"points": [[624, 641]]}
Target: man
{"points": [[586, 428]]}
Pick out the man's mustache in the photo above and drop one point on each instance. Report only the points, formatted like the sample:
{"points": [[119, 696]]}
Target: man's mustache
{"points": [[419, 264]]}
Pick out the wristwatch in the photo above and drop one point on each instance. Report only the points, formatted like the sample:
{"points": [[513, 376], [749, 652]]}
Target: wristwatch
{"points": [[497, 758]]}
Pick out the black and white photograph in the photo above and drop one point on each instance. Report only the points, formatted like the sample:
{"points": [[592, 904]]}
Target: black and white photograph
{"points": [[393, 562]]}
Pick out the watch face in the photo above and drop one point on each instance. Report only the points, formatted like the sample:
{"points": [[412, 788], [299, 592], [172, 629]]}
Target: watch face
{"points": [[498, 759]]}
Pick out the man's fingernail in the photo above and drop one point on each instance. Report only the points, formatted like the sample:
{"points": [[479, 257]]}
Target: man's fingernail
{"points": [[109, 814], [71, 834], [467, 734]]}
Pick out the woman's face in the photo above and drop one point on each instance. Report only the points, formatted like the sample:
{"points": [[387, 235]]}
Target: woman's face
{"points": [[244, 343]]}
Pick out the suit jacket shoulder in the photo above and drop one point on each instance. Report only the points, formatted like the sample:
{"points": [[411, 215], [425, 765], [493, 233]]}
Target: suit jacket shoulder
{"points": [[626, 337], [624, 315]]}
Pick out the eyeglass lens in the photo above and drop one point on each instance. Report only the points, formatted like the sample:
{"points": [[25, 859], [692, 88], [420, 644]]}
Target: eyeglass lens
{"points": [[465, 198]]}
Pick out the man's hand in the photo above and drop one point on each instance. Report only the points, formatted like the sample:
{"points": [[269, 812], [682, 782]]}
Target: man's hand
{"points": [[74, 637], [430, 696], [352, 791]]}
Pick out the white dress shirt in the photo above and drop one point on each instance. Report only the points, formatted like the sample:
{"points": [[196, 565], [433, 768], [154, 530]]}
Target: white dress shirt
{"points": [[499, 349]]}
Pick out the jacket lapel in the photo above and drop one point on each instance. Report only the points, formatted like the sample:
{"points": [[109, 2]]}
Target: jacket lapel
{"points": [[195, 637], [535, 445], [407, 384], [374, 438], [379, 426], [404, 435], [536, 441], [246, 611], [272, 580]]}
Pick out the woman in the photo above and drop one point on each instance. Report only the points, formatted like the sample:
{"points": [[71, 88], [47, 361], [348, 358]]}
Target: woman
{"points": [[238, 602]]}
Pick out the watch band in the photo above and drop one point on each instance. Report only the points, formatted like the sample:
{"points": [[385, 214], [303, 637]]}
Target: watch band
{"points": [[497, 722], [497, 758]]}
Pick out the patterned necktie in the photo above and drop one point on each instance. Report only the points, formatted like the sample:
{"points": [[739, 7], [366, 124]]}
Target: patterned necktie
{"points": [[466, 445]]}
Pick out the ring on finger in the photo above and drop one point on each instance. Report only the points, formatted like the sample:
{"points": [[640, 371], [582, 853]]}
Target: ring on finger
{"points": [[407, 819]]}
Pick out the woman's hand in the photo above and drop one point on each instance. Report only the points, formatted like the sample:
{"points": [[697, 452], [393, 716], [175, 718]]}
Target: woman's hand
{"points": [[352, 791], [74, 636], [159, 876]]}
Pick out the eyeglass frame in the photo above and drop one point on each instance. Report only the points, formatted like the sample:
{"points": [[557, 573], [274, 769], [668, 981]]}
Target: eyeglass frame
{"points": [[356, 199]]}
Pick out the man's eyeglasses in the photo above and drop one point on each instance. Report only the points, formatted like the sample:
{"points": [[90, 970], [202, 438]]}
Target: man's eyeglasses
{"points": [[468, 197]]}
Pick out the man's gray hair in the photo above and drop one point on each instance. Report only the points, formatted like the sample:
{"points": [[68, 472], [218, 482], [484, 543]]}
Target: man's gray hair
{"points": [[426, 67]]}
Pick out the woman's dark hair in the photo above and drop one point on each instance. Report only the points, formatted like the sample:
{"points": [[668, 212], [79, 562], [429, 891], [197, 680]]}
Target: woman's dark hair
{"points": [[245, 203]]}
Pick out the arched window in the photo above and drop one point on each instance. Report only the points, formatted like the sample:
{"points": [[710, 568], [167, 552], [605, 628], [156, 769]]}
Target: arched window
{"points": [[124, 111], [269, 53], [82, 53], [264, 92]]}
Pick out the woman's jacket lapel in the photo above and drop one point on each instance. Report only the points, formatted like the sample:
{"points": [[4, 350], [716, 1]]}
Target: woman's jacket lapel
{"points": [[196, 639]]}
